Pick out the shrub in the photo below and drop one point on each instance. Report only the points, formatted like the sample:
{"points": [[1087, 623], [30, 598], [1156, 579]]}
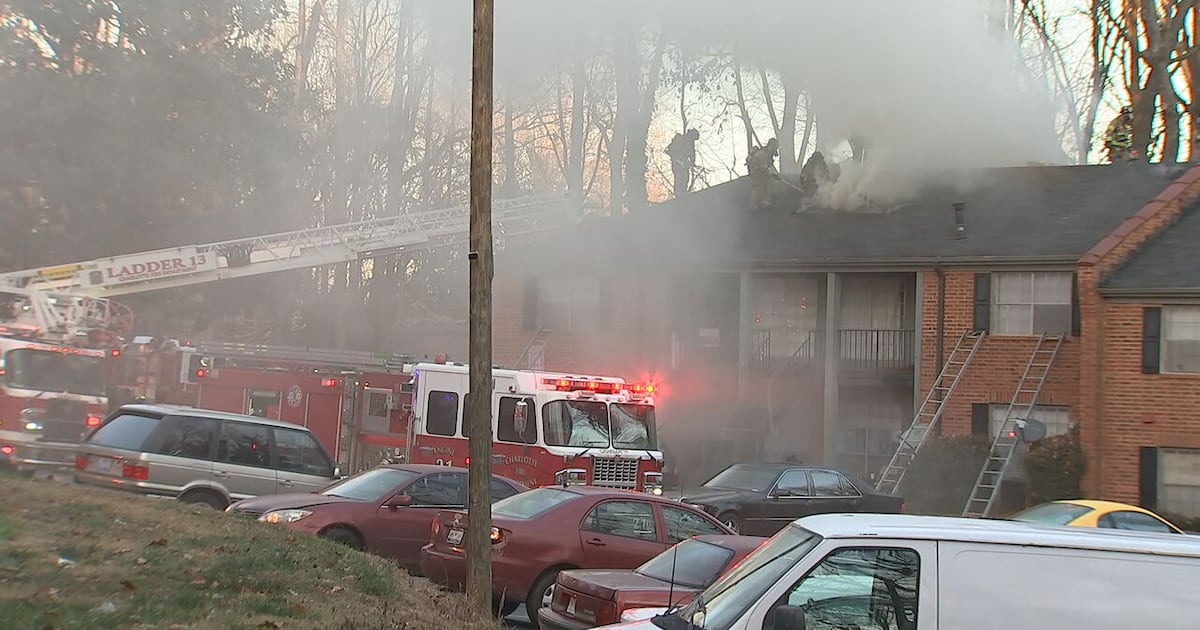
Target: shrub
{"points": [[941, 477], [1055, 468]]}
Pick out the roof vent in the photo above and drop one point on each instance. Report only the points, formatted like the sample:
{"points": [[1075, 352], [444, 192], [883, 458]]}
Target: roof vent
{"points": [[960, 223]]}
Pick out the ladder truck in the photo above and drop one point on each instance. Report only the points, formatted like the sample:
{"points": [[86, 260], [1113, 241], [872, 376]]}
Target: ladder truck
{"points": [[61, 330]]}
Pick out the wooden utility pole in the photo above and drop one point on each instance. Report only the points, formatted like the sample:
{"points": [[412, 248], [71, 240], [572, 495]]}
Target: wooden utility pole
{"points": [[479, 400]]}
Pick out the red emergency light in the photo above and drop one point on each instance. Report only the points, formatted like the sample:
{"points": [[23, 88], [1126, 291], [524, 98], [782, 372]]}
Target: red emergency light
{"points": [[579, 384], [94, 421], [201, 373], [647, 388], [115, 352], [329, 382]]}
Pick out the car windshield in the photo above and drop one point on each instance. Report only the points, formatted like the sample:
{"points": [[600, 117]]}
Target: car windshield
{"points": [[529, 504], [723, 603], [693, 563], [744, 477], [372, 485], [49, 371], [594, 424], [1052, 513]]}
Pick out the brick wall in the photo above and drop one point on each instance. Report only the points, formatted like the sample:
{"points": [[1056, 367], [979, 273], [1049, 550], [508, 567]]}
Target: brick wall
{"points": [[1114, 395], [993, 374]]}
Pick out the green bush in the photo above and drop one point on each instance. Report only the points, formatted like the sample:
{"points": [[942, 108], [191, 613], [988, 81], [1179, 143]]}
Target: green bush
{"points": [[1055, 467], [941, 478]]}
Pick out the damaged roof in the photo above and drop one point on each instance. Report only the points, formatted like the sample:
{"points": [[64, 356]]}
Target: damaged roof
{"points": [[1033, 213], [1165, 264]]}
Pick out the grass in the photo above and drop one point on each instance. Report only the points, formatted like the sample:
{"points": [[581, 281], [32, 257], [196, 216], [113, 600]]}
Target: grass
{"points": [[77, 557]]}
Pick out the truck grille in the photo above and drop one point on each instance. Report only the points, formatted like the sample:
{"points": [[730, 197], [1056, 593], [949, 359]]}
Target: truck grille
{"points": [[65, 420], [614, 472]]}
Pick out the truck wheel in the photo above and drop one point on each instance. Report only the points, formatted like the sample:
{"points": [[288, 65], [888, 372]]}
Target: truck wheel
{"points": [[205, 497]]}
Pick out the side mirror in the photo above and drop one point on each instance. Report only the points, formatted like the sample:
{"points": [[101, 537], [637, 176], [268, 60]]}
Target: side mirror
{"points": [[399, 501], [337, 472], [789, 618]]}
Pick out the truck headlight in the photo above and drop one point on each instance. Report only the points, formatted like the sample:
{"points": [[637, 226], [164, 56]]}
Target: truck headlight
{"points": [[571, 477], [652, 483]]}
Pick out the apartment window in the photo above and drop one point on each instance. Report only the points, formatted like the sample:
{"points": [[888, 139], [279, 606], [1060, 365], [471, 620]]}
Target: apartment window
{"points": [[1056, 419], [1179, 481], [1181, 339], [1031, 303], [569, 304]]}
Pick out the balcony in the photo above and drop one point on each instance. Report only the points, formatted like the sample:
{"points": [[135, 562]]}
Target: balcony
{"points": [[858, 350]]}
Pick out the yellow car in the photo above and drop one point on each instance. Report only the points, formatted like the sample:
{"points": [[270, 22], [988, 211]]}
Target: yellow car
{"points": [[1102, 514]]}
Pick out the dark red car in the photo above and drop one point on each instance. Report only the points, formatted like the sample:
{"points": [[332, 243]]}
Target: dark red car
{"points": [[539, 533], [586, 599], [387, 510]]}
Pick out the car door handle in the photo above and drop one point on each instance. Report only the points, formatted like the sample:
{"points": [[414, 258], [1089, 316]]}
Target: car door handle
{"points": [[287, 483], [596, 542], [220, 473]]}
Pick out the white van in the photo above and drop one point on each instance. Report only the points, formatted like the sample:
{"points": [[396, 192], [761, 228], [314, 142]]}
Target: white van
{"points": [[902, 572]]}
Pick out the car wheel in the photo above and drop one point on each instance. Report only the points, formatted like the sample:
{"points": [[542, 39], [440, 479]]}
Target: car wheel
{"points": [[540, 595], [732, 521], [345, 537], [205, 497]]}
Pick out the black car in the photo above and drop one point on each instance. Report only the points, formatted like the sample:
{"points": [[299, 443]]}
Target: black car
{"points": [[761, 499]]}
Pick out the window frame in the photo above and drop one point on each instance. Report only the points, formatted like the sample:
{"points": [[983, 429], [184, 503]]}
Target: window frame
{"points": [[774, 491], [995, 303], [1165, 341], [222, 435], [716, 531], [462, 490], [429, 415], [155, 441], [319, 449], [657, 531], [996, 421], [531, 419], [1112, 518], [1189, 507], [847, 488], [578, 294]]}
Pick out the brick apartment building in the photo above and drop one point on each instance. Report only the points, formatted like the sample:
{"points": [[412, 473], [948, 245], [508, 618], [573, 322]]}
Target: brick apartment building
{"points": [[819, 333]]}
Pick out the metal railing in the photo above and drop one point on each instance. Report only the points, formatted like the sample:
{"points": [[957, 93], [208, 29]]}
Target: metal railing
{"points": [[858, 349]]}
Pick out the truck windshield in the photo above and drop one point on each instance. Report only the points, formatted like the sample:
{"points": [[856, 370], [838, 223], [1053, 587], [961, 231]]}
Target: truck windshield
{"points": [[593, 424], [49, 371], [723, 603]]}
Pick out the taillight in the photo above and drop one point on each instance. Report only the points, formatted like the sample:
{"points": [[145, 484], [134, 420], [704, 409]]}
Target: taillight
{"points": [[8, 449], [80, 462], [434, 530], [93, 421], [135, 471]]}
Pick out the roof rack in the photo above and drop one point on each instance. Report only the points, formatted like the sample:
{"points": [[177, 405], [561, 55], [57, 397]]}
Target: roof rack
{"points": [[389, 361]]}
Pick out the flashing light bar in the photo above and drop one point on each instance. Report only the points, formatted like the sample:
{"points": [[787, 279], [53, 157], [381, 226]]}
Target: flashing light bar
{"points": [[597, 387]]}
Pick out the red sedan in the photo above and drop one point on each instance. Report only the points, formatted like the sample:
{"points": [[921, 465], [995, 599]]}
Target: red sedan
{"points": [[586, 599], [539, 533], [387, 510]]}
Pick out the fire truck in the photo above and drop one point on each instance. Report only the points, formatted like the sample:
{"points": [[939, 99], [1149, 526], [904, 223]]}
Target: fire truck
{"points": [[59, 323], [352, 401], [55, 362], [547, 428]]}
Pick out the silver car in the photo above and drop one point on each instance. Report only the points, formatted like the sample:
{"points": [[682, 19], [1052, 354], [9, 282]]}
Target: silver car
{"points": [[201, 456]]}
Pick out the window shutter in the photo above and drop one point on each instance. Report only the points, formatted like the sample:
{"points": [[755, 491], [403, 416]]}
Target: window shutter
{"points": [[1151, 339], [983, 301], [1076, 318], [1148, 477], [604, 319], [531, 304], [980, 417]]}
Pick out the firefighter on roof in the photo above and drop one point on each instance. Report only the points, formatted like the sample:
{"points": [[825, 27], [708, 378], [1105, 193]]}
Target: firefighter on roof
{"points": [[1119, 138], [682, 151], [814, 174], [761, 163]]}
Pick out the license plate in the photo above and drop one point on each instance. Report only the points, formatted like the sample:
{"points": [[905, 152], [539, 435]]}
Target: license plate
{"points": [[454, 536], [571, 606], [100, 464]]}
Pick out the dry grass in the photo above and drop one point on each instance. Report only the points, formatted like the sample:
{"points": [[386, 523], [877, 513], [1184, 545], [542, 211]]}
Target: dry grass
{"points": [[75, 557]]}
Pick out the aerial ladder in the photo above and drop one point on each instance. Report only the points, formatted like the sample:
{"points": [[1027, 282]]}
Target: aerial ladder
{"points": [[930, 411], [70, 299], [1008, 434]]}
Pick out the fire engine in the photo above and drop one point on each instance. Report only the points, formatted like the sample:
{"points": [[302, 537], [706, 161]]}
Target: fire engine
{"points": [[59, 323], [55, 355], [547, 428], [351, 401]]}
